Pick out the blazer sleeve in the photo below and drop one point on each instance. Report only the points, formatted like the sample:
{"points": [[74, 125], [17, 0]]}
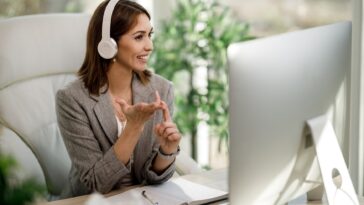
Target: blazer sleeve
{"points": [[149, 175], [96, 170]]}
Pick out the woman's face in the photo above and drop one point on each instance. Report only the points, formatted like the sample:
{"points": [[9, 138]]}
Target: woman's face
{"points": [[135, 46]]}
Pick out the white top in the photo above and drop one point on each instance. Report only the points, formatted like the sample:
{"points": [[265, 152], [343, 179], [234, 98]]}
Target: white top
{"points": [[121, 125]]}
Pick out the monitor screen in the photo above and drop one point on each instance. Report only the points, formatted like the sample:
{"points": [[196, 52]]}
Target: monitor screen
{"points": [[277, 84]]}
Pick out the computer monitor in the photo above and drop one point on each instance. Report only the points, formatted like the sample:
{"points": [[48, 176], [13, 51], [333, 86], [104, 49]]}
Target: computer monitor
{"points": [[276, 84]]}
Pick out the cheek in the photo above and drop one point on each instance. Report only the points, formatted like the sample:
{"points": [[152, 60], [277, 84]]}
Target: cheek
{"points": [[125, 53], [130, 51]]}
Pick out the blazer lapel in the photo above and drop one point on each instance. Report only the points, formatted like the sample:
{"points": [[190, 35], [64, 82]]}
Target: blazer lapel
{"points": [[105, 112], [106, 116], [142, 93]]}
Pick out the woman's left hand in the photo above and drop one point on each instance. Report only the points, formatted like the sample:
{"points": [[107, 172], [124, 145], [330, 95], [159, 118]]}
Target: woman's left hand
{"points": [[167, 132]]}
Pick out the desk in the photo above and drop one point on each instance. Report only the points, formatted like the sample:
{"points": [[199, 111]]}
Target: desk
{"points": [[217, 179]]}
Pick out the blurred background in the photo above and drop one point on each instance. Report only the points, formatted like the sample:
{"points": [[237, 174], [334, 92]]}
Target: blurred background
{"points": [[190, 42]]}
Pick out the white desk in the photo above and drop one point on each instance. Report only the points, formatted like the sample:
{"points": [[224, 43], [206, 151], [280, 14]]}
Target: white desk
{"points": [[214, 178], [217, 179]]}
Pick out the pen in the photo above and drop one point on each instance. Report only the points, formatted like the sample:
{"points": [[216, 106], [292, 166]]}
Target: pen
{"points": [[144, 194]]}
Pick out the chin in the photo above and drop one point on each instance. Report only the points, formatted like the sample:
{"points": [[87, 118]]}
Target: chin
{"points": [[140, 68]]}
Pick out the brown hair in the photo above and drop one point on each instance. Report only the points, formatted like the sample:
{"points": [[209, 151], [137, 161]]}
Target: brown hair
{"points": [[94, 68]]}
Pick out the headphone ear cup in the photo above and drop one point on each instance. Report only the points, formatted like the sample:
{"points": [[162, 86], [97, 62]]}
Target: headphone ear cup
{"points": [[107, 48]]}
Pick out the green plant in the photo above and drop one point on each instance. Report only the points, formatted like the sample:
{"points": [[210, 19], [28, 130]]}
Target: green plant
{"points": [[12, 8], [194, 40], [13, 192]]}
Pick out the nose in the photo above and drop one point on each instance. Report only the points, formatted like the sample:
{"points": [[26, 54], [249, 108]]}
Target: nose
{"points": [[148, 45]]}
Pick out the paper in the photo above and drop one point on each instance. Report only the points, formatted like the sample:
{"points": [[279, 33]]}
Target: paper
{"points": [[174, 192], [97, 199]]}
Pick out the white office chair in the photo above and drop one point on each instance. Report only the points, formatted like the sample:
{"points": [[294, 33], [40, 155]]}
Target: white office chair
{"points": [[40, 54]]}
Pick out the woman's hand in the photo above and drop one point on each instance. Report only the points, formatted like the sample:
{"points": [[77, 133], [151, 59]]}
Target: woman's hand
{"points": [[138, 114], [167, 132]]}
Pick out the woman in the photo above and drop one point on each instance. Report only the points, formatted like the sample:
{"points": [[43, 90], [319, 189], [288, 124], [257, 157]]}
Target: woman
{"points": [[115, 119]]}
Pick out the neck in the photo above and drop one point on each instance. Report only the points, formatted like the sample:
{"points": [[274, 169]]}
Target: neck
{"points": [[119, 80]]}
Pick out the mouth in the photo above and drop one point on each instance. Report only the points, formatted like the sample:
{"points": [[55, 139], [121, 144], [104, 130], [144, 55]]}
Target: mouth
{"points": [[143, 57]]}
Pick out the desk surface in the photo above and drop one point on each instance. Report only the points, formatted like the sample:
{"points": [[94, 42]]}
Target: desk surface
{"points": [[214, 178]]}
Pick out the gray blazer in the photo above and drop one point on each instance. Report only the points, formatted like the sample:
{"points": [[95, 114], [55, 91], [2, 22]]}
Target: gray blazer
{"points": [[89, 130]]}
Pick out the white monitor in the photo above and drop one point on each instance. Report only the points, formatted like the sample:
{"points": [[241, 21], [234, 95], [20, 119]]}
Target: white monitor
{"points": [[276, 84]]}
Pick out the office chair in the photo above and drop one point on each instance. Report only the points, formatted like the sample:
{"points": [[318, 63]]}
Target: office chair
{"points": [[39, 54]]}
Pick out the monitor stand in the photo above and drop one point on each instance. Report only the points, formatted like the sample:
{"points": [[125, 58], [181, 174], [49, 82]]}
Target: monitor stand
{"points": [[331, 163]]}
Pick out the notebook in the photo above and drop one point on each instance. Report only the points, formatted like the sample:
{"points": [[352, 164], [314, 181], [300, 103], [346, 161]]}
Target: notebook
{"points": [[177, 191]]}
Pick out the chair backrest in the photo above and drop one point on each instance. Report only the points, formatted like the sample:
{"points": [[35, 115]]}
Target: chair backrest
{"points": [[40, 54]]}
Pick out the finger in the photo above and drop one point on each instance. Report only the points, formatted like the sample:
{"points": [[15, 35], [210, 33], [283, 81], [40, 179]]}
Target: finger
{"points": [[166, 114], [157, 103], [140, 107], [169, 130], [156, 129], [152, 107], [169, 124], [157, 98], [160, 130], [165, 125], [124, 105], [174, 137], [164, 131], [145, 108]]}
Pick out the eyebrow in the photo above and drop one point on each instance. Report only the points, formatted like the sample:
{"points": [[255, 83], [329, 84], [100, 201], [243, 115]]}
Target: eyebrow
{"points": [[142, 31]]}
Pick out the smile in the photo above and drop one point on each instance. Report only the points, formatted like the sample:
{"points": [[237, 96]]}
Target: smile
{"points": [[143, 57]]}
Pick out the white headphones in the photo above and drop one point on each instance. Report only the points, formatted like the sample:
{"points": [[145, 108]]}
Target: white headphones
{"points": [[107, 47]]}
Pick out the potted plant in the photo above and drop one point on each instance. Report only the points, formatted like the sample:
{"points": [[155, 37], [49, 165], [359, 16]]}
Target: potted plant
{"points": [[190, 50], [13, 192]]}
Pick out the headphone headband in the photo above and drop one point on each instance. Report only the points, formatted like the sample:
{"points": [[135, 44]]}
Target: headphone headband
{"points": [[106, 22], [107, 47]]}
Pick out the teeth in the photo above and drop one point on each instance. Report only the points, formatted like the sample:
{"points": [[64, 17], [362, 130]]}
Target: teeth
{"points": [[143, 57]]}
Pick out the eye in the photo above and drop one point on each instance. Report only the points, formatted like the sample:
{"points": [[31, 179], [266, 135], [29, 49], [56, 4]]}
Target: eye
{"points": [[150, 34], [139, 37]]}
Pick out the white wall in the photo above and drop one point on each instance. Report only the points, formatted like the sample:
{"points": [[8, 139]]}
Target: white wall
{"points": [[162, 10]]}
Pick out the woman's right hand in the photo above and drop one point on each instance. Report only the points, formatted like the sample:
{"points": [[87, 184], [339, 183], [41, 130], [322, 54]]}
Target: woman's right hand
{"points": [[136, 115]]}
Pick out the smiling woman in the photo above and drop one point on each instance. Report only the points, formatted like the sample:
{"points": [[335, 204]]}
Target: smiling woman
{"points": [[136, 44], [116, 118]]}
